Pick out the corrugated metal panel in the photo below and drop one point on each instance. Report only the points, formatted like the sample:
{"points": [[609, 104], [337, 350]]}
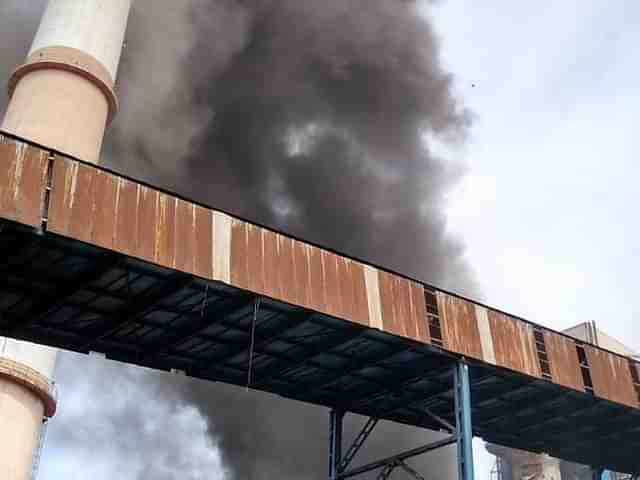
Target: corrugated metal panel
{"points": [[82, 219], [403, 307], [100, 208], [563, 360], [26, 177], [148, 203], [203, 251], [611, 377], [104, 206], [165, 230], [65, 201], [514, 344], [302, 269], [280, 267], [459, 326], [23, 176], [128, 216], [185, 236]]}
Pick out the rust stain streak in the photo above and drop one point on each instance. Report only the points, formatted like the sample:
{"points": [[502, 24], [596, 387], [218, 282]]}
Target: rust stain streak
{"points": [[611, 380], [514, 344], [106, 210], [563, 361], [459, 326], [22, 183]]}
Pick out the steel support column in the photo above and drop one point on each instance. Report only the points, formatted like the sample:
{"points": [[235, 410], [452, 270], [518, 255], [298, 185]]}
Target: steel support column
{"points": [[464, 431], [335, 443]]}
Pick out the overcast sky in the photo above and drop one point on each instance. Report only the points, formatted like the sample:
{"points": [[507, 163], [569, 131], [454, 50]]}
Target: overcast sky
{"points": [[547, 209]]}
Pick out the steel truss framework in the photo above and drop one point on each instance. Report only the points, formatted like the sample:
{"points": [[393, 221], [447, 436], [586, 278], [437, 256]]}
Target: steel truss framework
{"points": [[67, 294], [461, 435]]}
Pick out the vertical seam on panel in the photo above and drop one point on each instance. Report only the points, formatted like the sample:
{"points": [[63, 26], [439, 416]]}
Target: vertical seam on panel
{"points": [[46, 194]]}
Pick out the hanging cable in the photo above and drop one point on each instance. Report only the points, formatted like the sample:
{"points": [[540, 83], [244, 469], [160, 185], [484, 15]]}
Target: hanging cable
{"points": [[256, 309], [203, 308]]}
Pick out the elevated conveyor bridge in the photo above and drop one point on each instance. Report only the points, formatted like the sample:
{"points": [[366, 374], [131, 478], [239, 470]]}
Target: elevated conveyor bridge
{"points": [[94, 261]]}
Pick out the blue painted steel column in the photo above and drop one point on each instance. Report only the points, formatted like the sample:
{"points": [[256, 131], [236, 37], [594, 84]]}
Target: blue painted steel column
{"points": [[464, 429], [335, 443], [597, 473]]}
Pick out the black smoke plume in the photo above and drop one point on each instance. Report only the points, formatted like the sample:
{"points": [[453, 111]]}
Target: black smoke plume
{"points": [[315, 117]]}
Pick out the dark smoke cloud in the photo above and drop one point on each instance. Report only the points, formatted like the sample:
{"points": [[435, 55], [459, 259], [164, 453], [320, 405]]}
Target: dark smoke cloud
{"points": [[314, 117], [309, 116]]}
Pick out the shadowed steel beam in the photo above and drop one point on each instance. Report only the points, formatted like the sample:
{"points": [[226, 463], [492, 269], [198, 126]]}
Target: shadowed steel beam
{"points": [[264, 336], [136, 307], [58, 298], [386, 472], [446, 425], [400, 457], [311, 351], [357, 443], [354, 366], [410, 471], [203, 322]]}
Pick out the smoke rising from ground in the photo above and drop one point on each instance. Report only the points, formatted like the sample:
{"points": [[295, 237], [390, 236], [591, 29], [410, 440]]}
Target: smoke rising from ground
{"points": [[314, 117]]}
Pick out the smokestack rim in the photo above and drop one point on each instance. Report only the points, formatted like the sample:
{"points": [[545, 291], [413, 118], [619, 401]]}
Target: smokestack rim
{"points": [[33, 381], [70, 60]]}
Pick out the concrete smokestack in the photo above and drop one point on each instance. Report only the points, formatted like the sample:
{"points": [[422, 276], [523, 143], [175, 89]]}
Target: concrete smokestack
{"points": [[63, 96], [27, 398]]}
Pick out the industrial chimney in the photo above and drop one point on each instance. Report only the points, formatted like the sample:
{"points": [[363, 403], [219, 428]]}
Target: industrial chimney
{"points": [[27, 399], [62, 97]]}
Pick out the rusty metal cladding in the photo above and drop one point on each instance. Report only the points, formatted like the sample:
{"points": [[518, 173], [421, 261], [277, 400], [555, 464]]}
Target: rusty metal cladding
{"points": [[317, 292], [104, 206], [60, 196], [127, 213], [514, 344], [204, 243], [284, 263], [165, 230], [279, 267], [81, 212], [403, 307], [71, 204], [419, 313], [330, 283], [302, 270], [239, 248], [459, 326], [94, 206], [23, 175], [563, 360], [361, 302], [185, 236], [148, 200], [611, 377], [346, 286], [277, 270], [255, 251]]}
